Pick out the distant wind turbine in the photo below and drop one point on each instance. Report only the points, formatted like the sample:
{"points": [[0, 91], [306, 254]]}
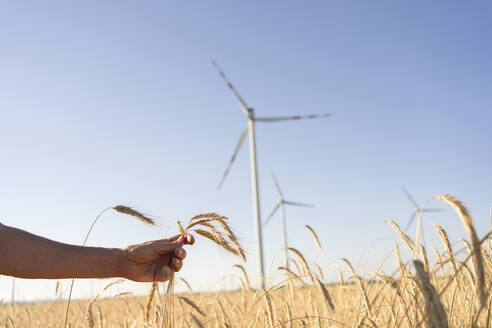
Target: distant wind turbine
{"points": [[281, 205], [417, 208], [250, 130]]}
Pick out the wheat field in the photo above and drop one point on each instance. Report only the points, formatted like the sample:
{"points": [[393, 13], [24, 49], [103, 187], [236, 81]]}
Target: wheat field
{"points": [[446, 285]]}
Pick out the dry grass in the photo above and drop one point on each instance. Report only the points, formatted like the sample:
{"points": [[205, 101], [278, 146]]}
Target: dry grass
{"points": [[443, 292]]}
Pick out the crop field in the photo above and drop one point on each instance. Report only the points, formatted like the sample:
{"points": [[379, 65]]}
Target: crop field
{"points": [[446, 285]]}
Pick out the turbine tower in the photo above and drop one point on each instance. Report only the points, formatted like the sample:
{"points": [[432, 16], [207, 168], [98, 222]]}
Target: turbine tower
{"points": [[281, 204], [250, 130], [417, 208]]}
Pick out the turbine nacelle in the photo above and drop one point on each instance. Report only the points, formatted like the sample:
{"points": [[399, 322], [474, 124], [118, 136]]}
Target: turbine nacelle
{"points": [[251, 114]]}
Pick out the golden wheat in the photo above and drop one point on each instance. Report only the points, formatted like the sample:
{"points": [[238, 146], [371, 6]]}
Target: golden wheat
{"points": [[409, 242], [404, 299], [433, 307], [315, 236], [465, 217], [132, 212]]}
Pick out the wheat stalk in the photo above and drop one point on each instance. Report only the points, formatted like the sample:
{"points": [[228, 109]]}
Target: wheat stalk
{"points": [[291, 274], [425, 257], [226, 239], [197, 322], [180, 227], [124, 293], [302, 260], [121, 209], [447, 245], [186, 284], [148, 306], [433, 307], [340, 278], [191, 304], [326, 295], [315, 236], [465, 217], [269, 308], [410, 244], [245, 276], [167, 316], [89, 315], [362, 289], [401, 268]]}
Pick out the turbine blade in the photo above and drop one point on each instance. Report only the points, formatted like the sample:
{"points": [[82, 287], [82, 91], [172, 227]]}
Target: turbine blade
{"points": [[277, 185], [297, 204], [410, 198], [410, 221], [287, 118], [243, 105], [275, 209], [231, 161]]}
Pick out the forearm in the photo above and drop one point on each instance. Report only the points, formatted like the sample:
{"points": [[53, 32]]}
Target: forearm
{"points": [[25, 255]]}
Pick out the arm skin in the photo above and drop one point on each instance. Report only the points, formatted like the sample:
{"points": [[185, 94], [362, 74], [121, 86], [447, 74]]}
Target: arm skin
{"points": [[25, 255]]}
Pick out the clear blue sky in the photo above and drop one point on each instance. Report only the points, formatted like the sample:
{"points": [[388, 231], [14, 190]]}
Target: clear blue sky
{"points": [[116, 102]]}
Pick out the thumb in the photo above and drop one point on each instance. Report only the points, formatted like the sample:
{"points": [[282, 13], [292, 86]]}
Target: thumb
{"points": [[164, 246]]}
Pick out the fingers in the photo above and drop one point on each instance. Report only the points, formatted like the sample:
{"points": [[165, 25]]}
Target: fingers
{"points": [[174, 238], [180, 253], [166, 246], [167, 271], [189, 239], [186, 239], [177, 264], [171, 247]]}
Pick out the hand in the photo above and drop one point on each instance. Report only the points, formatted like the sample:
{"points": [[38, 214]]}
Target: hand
{"points": [[155, 260]]}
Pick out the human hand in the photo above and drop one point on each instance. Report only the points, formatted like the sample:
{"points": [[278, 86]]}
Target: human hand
{"points": [[155, 260]]}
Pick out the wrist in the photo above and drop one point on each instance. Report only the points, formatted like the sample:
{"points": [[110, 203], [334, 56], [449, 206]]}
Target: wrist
{"points": [[120, 255]]}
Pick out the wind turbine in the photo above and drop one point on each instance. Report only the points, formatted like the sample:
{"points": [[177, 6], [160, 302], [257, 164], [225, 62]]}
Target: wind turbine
{"points": [[281, 204], [250, 130], [417, 208]]}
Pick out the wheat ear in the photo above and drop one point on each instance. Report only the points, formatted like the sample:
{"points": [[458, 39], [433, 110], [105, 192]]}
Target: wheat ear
{"points": [[465, 217], [245, 276], [362, 289], [315, 236], [305, 267], [326, 295], [410, 244], [121, 209], [433, 307], [219, 240], [192, 304], [447, 245], [148, 306], [130, 211]]}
